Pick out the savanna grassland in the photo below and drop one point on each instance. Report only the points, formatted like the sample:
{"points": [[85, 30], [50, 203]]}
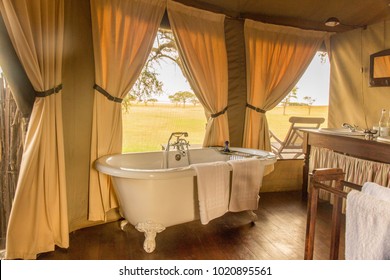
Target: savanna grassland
{"points": [[145, 128]]}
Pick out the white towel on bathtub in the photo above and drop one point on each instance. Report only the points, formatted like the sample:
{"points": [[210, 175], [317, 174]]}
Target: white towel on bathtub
{"points": [[376, 190], [213, 189], [246, 182], [367, 232]]}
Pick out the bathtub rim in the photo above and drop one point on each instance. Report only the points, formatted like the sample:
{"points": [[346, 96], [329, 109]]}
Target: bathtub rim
{"points": [[102, 165]]}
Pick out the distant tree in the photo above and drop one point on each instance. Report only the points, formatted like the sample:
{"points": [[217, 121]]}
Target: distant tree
{"points": [[323, 56], [127, 101], [152, 100], [182, 97], [309, 102], [166, 48], [147, 84], [287, 100], [174, 99], [194, 100]]}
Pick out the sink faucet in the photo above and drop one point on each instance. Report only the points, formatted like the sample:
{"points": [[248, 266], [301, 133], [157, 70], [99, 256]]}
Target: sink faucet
{"points": [[352, 128]]}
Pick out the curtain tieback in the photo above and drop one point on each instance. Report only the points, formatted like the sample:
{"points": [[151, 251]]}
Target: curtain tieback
{"points": [[49, 91], [255, 108], [216, 115], [106, 94]]}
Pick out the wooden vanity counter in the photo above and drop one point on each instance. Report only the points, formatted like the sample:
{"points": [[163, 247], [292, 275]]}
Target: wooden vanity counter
{"points": [[354, 146]]}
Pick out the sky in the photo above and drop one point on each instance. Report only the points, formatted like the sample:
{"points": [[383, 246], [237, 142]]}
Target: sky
{"points": [[314, 83], [171, 76]]}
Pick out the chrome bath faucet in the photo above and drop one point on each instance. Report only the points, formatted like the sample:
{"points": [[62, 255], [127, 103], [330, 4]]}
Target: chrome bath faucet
{"points": [[180, 144]]}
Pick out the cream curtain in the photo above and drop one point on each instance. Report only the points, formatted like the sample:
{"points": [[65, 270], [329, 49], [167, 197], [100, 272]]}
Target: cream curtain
{"points": [[200, 37], [276, 58], [38, 219], [123, 35], [356, 170]]}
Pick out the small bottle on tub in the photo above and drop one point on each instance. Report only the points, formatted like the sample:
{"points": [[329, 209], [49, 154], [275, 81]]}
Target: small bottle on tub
{"points": [[226, 148]]}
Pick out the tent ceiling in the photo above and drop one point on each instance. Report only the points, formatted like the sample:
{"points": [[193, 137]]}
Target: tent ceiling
{"points": [[308, 14]]}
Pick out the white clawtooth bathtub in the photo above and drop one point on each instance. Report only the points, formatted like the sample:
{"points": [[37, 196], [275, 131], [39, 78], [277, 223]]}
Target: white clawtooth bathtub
{"points": [[153, 197]]}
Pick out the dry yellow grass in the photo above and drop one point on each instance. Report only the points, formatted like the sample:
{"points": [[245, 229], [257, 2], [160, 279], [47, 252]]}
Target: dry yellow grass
{"points": [[145, 128]]}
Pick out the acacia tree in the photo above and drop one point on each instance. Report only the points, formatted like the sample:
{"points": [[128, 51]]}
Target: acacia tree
{"points": [[182, 97], [127, 101], [287, 100], [323, 56], [152, 100], [165, 47], [148, 85], [194, 100], [309, 101]]}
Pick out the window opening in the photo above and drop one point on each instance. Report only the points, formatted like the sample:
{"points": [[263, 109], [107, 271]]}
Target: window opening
{"points": [[161, 102], [309, 98]]}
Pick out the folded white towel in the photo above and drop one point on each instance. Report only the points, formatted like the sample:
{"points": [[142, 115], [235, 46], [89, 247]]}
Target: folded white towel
{"points": [[367, 233], [246, 182], [213, 189], [376, 190]]}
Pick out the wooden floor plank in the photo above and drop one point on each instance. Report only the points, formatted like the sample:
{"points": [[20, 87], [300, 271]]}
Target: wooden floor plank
{"points": [[277, 235]]}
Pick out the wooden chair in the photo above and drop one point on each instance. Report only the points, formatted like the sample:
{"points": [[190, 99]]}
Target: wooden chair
{"points": [[293, 142], [317, 177]]}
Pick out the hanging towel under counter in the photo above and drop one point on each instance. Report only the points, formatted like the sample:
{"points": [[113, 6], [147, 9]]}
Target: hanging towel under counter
{"points": [[213, 189]]}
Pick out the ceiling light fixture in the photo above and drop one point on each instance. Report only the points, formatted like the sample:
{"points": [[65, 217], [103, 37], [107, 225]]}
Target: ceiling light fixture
{"points": [[332, 22]]}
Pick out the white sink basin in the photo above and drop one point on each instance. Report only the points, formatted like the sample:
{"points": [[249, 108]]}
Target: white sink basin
{"points": [[341, 131]]}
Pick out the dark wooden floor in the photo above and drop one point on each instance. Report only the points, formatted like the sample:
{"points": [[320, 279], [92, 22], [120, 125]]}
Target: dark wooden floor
{"points": [[279, 234]]}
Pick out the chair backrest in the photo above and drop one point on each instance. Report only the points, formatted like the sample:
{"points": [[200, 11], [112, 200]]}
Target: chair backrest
{"points": [[294, 136], [308, 122]]}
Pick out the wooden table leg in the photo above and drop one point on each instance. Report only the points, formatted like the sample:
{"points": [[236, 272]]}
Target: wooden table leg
{"points": [[311, 223], [336, 223], [305, 177]]}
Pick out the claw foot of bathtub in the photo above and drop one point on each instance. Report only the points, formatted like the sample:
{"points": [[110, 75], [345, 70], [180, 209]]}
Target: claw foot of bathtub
{"points": [[253, 216], [123, 224], [150, 231]]}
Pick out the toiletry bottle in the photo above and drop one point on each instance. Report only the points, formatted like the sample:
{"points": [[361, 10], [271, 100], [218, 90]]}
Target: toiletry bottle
{"points": [[226, 149], [383, 129]]}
